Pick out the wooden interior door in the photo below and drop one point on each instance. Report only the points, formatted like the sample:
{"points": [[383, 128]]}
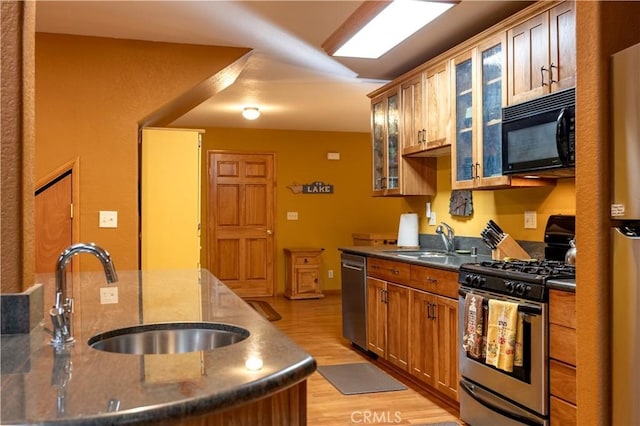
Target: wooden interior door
{"points": [[53, 227], [241, 219]]}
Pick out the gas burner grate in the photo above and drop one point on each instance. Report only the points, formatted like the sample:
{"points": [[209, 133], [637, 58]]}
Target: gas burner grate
{"points": [[545, 268]]}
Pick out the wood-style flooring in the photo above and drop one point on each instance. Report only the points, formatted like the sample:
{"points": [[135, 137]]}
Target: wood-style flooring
{"points": [[316, 325]]}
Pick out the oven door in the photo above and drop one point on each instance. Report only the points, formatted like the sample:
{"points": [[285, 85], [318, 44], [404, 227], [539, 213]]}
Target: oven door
{"points": [[527, 385]]}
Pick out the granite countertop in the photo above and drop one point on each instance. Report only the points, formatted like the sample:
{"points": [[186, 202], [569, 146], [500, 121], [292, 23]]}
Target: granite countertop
{"points": [[449, 263], [86, 386]]}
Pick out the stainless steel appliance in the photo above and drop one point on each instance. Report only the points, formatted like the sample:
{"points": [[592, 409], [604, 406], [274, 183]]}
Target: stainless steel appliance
{"points": [[354, 299], [489, 396], [625, 238], [538, 136]]}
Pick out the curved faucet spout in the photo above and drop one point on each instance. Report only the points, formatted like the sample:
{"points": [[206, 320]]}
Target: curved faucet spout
{"points": [[63, 308]]}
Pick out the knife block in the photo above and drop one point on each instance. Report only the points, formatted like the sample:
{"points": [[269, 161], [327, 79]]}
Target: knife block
{"points": [[508, 247]]}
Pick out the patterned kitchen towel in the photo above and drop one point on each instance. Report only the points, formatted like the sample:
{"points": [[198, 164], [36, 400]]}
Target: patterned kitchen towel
{"points": [[501, 334], [474, 325], [518, 360]]}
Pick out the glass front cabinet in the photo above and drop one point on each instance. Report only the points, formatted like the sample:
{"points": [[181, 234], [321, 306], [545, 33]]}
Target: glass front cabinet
{"points": [[478, 94], [386, 150]]}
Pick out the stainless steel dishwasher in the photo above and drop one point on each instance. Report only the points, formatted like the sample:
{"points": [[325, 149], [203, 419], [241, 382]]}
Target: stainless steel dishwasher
{"points": [[354, 299]]}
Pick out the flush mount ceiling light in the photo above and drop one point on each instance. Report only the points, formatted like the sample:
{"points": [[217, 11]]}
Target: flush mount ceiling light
{"points": [[376, 27], [251, 113]]}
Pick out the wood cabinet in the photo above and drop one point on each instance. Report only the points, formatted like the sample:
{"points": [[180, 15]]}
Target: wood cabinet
{"points": [[393, 174], [425, 112], [412, 319], [562, 354], [542, 55], [302, 273]]}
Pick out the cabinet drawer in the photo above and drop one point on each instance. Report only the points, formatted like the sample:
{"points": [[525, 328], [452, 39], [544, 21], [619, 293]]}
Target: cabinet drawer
{"points": [[444, 283], [562, 343], [388, 270], [301, 260], [562, 413], [562, 378], [562, 308]]}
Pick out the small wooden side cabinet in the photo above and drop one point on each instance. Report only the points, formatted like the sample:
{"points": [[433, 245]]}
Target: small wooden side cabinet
{"points": [[302, 273]]}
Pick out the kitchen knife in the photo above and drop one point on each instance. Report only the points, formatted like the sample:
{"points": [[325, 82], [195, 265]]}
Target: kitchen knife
{"points": [[495, 227], [487, 240]]}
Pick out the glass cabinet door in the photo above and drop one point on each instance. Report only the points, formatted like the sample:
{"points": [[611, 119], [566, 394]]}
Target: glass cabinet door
{"points": [[491, 70], [378, 145], [392, 141], [464, 121]]}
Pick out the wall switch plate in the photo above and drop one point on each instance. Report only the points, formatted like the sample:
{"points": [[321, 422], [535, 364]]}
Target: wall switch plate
{"points": [[108, 295], [432, 219], [530, 220], [330, 273], [333, 155], [108, 219], [292, 215]]}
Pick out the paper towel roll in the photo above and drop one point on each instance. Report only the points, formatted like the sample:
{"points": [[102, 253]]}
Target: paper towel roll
{"points": [[408, 230]]}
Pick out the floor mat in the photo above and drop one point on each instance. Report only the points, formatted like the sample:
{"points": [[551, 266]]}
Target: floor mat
{"points": [[264, 309], [352, 379]]}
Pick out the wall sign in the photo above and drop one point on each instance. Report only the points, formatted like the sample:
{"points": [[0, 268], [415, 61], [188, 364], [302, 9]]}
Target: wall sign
{"points": [[316, 187]]}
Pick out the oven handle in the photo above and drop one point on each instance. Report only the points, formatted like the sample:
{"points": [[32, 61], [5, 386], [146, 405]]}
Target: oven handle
{"points": [[470, 389], [522, 307]]}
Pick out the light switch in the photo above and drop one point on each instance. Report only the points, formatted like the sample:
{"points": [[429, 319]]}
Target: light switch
{"points": [[432, 219], [292, 215], [108, 219]]}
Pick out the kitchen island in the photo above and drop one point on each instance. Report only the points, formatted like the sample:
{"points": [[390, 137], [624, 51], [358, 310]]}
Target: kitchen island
{"points": [[259, 380]]}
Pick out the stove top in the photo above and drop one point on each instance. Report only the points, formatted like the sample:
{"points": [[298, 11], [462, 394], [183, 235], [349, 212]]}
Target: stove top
{"points": [[523, 279]]}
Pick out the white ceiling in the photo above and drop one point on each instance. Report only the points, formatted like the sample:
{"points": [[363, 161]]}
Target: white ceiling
{"points": [[296, 85]]}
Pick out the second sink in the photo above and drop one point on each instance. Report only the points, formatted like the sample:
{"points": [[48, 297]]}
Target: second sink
{"points": [[168, 338]]}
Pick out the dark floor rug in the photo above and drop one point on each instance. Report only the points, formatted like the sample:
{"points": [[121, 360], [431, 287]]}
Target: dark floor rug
{"points": [[352, 379], [264, 309]]}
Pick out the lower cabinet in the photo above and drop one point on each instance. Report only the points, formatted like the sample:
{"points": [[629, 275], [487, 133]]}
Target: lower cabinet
{"points": [[388, 321], [562, 354], [413, 329]]}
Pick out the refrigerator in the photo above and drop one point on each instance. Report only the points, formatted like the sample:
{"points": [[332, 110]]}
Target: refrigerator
{"points": [[625, 237]]}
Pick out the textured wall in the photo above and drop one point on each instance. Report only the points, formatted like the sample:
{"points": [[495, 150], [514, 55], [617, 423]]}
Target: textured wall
{"points": [[16, 159]]}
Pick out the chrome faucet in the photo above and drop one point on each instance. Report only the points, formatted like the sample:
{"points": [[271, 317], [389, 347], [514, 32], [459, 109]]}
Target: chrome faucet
{"points": [[448, 238], [61, 313]]}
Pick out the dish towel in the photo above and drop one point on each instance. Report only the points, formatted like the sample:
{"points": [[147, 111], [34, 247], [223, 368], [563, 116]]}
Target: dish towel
{"points": [[501, 334], [518, 359], [474, 325]]}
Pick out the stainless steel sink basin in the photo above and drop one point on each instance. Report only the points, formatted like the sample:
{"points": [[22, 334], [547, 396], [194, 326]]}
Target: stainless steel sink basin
{"points": [[168, 338]]}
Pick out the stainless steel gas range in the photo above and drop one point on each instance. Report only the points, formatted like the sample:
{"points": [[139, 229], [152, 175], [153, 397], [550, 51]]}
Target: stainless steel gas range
{"points": [[490, 395]]}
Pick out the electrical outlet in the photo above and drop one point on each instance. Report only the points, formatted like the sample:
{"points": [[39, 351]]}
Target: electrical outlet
{"points": [[432, 218], [530, 221], [330, 273], [292, 215], [108, 219], [108, 295]]}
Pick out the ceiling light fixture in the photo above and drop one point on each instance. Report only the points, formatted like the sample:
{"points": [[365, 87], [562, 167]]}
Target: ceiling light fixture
{"points": [[251, 113], [377, 27]]}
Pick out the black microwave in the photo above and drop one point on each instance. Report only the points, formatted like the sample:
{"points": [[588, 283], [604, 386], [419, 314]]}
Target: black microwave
{"points": [[538, 136]]}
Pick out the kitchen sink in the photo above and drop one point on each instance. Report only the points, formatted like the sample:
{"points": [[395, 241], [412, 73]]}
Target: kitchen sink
{"points": [[168, 338]]}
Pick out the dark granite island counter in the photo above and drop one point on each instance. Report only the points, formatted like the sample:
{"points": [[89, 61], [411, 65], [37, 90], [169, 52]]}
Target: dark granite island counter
{"points": [[85, 386]]}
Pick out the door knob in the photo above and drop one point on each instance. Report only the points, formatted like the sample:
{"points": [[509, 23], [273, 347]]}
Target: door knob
{"points": [[269, 232]]}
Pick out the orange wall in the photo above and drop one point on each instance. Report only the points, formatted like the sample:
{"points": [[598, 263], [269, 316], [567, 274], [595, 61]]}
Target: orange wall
{"points": [[505, 206], [325, 220], [90, 94]]}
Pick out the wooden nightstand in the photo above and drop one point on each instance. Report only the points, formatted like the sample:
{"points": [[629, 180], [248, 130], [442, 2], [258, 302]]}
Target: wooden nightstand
{"points": [[302, 273]]}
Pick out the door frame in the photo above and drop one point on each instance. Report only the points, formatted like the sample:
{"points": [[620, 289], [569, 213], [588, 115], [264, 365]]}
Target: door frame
{"points": [[207, 235]]}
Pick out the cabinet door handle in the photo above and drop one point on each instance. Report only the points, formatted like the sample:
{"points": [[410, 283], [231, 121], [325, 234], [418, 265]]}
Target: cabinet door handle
{"points": [[473, 171], [477, 171], [542, 70], [551, 67], [306, 260], [424, 135], [432, 280], [419, 136]]}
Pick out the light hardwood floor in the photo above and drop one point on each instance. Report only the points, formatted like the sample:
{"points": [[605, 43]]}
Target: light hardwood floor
{"points": [[316, 325]]}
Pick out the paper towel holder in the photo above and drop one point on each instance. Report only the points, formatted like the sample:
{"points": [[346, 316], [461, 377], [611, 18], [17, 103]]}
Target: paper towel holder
{"points": [[408, 231]]}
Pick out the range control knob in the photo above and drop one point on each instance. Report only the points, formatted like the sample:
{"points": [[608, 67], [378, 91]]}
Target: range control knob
{"points": [[510, 285], [522, 289]]}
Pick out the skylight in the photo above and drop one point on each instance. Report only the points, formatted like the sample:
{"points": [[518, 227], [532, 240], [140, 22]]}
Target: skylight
{"points": [[390, 27]]}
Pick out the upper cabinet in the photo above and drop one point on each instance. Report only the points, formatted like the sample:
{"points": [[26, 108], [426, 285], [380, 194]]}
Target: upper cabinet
{"points": [[426, 111], [478, 93], [385, 118], [393, 174], [542, 55]]}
